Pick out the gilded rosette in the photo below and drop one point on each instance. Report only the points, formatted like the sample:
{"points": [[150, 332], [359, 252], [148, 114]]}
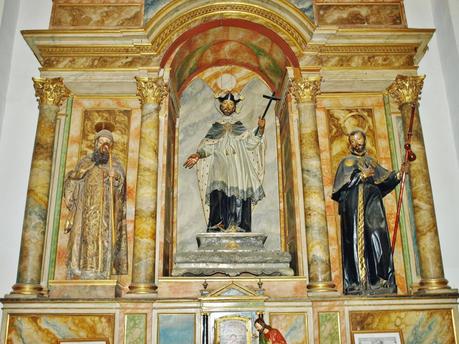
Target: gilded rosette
{"points": [[50, 91], [305, 89], [406, 89], [151, 90]]}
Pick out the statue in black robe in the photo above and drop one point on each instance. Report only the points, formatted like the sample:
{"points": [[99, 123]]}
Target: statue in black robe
{"points": [[359, 187]]}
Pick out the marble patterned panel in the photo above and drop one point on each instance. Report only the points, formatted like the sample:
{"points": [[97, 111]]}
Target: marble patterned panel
{"points": [[50, 328], [153, 6], [305, 6], [198, 112], [136, 329], [96, 16], [80, 140], [293, 326], [176, 329], [329, 328], [417, 326], [356, 14]]}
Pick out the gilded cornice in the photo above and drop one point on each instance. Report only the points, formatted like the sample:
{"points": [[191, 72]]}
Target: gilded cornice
{"points": [[366, 49], [305, 89], [151, 90], [406, 89], [50, 91]]}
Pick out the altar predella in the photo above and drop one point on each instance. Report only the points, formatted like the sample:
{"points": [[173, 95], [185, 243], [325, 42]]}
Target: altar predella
{"points": [[170, 202]]}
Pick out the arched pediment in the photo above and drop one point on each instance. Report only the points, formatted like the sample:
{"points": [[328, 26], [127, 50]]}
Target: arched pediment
{"points": [[180, 16]]}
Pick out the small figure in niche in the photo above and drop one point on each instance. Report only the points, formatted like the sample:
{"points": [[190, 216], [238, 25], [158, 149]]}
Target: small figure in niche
{"points": [[230, 162], [95, 194], [268, 335], [359, 187]]}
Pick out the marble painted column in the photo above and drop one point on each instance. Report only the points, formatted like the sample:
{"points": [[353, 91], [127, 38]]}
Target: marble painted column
{"points": [[50, 94], [151, 92], [406, 90], [320, 279]]}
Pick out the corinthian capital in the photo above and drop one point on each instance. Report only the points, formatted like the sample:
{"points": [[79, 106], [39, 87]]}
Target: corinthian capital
{"points": [[305, 89], [50, 91], [151, 90], [406, 89]]}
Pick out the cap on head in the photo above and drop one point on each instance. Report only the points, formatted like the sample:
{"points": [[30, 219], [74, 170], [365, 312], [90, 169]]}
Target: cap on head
{"points": [[229, 96], [104, 129]]}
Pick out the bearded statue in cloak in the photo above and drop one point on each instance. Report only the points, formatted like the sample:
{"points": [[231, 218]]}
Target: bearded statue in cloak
{"points": [[95, 195]]}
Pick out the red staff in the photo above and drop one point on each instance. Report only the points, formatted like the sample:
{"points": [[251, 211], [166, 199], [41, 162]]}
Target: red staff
{"points": [[409, 157]]}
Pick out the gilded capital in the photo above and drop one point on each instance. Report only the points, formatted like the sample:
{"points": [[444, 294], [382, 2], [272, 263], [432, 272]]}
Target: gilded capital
{"points": [[50, 91], [406, 89], [305, 89], [151, 90]]}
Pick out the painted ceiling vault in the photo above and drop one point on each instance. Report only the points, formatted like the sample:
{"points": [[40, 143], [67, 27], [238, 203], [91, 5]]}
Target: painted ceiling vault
{"points": [[247, 47]]}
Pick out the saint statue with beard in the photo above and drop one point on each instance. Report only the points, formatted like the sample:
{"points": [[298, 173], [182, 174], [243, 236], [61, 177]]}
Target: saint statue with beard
{"points": [[230, 162], [359, 187], [95, 194]]}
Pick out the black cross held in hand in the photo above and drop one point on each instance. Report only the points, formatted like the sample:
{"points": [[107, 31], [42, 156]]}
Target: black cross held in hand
{"points": [[271, 98]]}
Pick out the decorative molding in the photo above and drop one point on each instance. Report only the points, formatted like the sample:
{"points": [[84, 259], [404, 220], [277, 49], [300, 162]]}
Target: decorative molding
{"points": [[305, 89], [406, 89], [211, 12], [50, 91], [151, 90]]}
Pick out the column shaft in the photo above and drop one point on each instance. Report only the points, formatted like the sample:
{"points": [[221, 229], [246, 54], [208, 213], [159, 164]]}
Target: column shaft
{"points": [[50, 93], [143, 267], [406, 91], [313, 192]]}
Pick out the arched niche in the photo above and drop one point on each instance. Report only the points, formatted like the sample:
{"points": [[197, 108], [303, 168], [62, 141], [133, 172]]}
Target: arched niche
{"points": [[258, 59]]}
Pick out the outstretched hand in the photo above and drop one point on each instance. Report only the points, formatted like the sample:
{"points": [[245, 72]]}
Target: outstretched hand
{"points": [[191, 160]]}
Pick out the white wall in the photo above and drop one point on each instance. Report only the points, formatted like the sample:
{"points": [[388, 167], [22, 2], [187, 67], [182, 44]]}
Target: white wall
{"points": [[440, 125], [8, 20], [17, 136], [18, 132], [2, 3]]}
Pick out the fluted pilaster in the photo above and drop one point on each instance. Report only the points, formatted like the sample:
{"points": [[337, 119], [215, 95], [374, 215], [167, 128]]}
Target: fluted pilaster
{"points": [[406, 90], [50, 94], [151, 92], [320, 279]]}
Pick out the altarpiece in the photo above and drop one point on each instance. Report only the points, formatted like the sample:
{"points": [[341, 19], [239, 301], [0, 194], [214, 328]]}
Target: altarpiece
{"points": [[129, 89]]}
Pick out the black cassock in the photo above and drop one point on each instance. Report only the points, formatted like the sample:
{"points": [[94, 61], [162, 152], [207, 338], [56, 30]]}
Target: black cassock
{"points": [[364, 231]]}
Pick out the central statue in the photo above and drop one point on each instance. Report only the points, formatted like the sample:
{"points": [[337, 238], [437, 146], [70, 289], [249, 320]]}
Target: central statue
{"points": [[230, 163]]}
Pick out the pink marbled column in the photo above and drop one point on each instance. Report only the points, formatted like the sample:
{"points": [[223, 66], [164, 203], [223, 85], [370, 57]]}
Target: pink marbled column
{"points": [[151, 92], [50, 94], [406, 91], [320, 278]]}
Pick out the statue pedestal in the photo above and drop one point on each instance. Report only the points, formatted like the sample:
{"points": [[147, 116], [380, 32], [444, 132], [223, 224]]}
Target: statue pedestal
{"points": [[77, 289], [232, 254]]}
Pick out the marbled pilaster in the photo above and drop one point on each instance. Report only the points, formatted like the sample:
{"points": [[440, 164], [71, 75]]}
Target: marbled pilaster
{"points": [[320, 279], [50, 94], [151, 92], [406, 90]]}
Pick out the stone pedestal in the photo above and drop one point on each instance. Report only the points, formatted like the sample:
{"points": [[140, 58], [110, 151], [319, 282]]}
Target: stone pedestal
{"points": [[232, 254]]}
